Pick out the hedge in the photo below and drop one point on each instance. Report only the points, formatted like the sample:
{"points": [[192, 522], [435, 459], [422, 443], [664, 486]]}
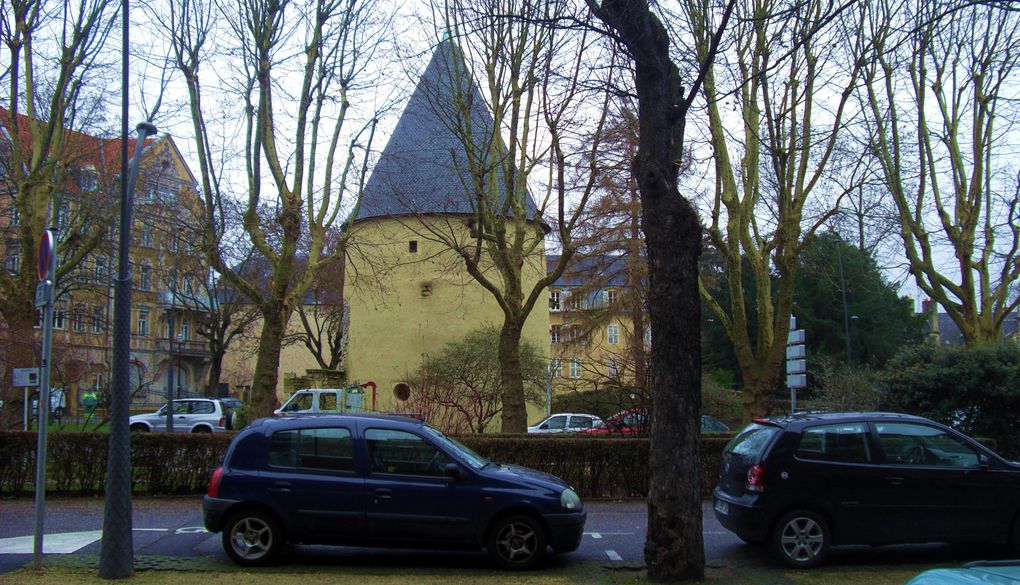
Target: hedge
{"points": [[170, 464]]}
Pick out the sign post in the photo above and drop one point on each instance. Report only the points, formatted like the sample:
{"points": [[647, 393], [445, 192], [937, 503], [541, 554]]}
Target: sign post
{"points": [[796, 364], [26, 378], [43, 300]]}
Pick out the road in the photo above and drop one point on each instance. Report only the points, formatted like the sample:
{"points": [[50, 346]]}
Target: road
{"points": [[172, 527]]}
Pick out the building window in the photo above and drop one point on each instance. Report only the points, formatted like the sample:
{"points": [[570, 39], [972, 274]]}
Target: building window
{"points": [[146, 237], [185, 330], [59, 317], [98, 319], [555, 368], [613, 367], [578, 302], [145, 277], [187, 285], [575, 368], [100, 270], [648, 337], [143, 322], [78, 319], [13, 262], [88, 179], [412, 246], [166, 193], [609, 296], [554, 300], [613, 333], [554, 334]]}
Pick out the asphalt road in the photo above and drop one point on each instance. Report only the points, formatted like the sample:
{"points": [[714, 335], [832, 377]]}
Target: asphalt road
{"points": [[614, 535]]}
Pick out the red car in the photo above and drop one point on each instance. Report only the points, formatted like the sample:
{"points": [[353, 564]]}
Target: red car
{"points": [[628, 423], [636, 422]]}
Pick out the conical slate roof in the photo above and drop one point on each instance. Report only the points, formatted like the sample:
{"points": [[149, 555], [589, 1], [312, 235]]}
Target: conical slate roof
{"points": [[425, 166]]}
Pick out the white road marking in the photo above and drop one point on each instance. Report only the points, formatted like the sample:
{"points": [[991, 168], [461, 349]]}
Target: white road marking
{"points": [[65, 543], [613, 556], [191, 530], [58, 543], [594, 535]]}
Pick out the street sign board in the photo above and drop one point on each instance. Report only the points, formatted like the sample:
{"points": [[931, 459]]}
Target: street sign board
{"points": [[28, 377], [796, 380], [796, 366], [796, 336], [47, 255], [796, 352]]}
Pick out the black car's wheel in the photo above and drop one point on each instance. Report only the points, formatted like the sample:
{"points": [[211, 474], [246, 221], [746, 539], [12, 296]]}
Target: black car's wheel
{"points": [[252, 538], [801, 539], [202, 429], [139, 428], [517, 542]]}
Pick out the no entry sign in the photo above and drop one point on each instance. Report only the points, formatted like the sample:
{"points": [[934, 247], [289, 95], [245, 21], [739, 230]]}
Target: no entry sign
{"points": [[47, 255]]}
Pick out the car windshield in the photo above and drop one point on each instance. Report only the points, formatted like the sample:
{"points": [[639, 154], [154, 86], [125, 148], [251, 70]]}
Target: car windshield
{"points": [[750, 441], [473, 459]]}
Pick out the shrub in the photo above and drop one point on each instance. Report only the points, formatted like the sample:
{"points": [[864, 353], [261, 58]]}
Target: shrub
{"points": [[165, 464], [976, 390]]}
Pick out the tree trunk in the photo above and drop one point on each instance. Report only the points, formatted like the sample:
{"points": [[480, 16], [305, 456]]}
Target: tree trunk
{"points": [[267, 365], [674, 549], [21, 351], [515, 411]]}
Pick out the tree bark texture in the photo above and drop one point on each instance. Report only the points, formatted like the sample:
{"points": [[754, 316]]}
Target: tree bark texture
{"points": [[674, 548]]}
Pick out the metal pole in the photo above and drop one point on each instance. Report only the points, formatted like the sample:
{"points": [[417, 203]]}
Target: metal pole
{"points": [[548, 389], [44, 411], [842, 287], [116, 555], [170, 374]]}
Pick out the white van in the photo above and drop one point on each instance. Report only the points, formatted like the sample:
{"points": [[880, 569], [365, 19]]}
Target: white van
{"points": [[323, 401]]}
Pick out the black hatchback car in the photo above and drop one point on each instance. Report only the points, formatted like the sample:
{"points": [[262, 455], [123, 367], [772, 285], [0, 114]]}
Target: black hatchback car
{"points": [[808, 481], [370, 480]]}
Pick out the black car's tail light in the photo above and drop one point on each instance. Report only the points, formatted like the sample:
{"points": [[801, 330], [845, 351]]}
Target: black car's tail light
{"points": [[214, 483], [755, 479]]}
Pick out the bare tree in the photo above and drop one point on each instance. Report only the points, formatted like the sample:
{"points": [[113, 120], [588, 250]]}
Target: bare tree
{"points": [[674, 547], [54, 84], [791, 83], [325, 319], [941, 101], [460, 388], [297, 74], [537, 80]]}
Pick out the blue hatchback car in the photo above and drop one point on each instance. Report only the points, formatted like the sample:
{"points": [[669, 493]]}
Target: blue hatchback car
{"points": [[373, 480]]}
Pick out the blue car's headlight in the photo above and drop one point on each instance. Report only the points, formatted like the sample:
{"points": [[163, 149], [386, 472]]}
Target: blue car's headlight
{"points": [[570, 500]]}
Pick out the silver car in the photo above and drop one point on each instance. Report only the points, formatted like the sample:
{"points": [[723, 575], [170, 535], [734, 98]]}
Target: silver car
{"points": [[190, 415], [566, 422]]}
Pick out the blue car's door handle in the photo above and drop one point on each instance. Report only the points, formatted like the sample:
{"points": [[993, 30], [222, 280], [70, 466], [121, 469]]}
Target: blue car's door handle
{"points": [[383, 493]]}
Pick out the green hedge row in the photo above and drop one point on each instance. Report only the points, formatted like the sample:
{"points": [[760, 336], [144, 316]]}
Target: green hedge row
{"points": [[164, 464], [161, 464]]}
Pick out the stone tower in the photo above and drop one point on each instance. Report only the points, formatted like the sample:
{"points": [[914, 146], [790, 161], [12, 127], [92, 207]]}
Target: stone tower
{"points": [[409, 293]]}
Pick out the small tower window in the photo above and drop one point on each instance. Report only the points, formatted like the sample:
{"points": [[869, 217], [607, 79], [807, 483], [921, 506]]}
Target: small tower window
{"points": [[412, 246]]}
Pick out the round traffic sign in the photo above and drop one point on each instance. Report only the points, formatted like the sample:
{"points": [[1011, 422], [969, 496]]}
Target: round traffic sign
{"points": [[47, 254]]}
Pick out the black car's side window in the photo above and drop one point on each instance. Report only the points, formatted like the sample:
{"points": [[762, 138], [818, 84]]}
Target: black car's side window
{"points": [[403, 453], [327, 448], [844, 443], [921, 445]]}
